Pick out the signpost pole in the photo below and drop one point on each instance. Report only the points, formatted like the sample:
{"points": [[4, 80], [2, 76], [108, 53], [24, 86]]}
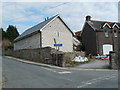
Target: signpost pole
{"points": [[56, 54]]}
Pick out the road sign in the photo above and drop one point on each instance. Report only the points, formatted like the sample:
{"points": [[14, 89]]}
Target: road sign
{"points": [[58, 45]]}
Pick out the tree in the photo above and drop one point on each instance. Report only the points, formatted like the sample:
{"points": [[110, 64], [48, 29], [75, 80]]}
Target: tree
{"points": [[12, 33], [3, 34], [81, 47], [8, 37], [6, 44]]}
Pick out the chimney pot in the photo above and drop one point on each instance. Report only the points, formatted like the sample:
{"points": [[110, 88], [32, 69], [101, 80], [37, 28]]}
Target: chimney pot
{"points": [[88, 18], [47, 18]]}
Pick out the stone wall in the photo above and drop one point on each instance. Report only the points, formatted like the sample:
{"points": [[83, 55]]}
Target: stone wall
{"points": [[44, 55], [103, 40], [115, 60], [37, 55], [72, 55]]}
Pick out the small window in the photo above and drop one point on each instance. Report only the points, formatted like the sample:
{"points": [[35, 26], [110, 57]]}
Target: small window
{"points": [[106, 31], [106, 34], [115, 33]]}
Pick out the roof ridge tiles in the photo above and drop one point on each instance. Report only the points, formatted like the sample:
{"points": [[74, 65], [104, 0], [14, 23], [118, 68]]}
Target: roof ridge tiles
{"points": [[104, 21]]}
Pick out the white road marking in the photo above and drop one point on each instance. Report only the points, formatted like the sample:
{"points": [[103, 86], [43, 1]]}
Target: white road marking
{"points": [[49, 69], [86, 83], [64, 72], [69, 79]]}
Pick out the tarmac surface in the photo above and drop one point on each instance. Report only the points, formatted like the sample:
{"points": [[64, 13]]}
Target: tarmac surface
{"points": [[19, 74], [95, 64]]}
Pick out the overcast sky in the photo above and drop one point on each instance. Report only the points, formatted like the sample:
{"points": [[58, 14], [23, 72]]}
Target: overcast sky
{"points": [[26, 14]]}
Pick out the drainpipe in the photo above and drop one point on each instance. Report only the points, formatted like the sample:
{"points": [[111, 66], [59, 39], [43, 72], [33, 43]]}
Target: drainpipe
{"points": [[97, 42], [40, 39]]}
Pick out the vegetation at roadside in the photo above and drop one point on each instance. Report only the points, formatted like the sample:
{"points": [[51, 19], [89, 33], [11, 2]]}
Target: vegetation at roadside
{"points": [[70, 63], [8, 37], [80, 47]]}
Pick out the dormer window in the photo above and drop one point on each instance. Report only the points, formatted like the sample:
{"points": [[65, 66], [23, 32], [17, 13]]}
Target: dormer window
{"points": [[115, 26], [106, 25]]}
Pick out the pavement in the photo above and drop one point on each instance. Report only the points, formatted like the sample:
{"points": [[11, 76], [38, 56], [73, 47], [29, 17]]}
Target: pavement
{"points": [[18, 74]]}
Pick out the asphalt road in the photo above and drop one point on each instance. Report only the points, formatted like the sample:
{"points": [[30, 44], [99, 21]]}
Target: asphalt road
{"points": [[22, 75]]}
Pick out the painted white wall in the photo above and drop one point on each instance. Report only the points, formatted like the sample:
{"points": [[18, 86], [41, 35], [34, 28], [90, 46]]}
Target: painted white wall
{"points": [[48, 34], [65, 36], [28, 43]]}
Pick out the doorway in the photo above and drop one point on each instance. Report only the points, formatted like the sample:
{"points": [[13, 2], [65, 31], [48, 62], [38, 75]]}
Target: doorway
{"points": [[107, 48]]}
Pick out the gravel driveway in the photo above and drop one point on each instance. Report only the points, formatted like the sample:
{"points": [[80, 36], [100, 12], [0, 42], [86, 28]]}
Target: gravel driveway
{"points": [[96, 64]]}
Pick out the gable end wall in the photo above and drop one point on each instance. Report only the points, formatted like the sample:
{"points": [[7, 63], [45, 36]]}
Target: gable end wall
{"points": [[50, 32], [89, 39]]}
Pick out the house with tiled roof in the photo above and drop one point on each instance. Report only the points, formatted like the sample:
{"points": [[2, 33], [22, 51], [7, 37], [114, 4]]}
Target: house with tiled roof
{"points": [[100, 37], [77, 33], [52, 32], [76, 41]]}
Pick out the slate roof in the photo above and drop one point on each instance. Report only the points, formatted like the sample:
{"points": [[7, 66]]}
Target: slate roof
{"points": [[34, 28], [38, 28], [98, 25]]}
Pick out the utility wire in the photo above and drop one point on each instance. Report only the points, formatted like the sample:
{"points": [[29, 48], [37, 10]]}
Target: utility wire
{"points": [[35, 13], [58, 5]]}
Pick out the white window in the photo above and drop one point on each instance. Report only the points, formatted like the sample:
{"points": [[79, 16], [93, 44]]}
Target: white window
{"points": [[106, 33], [115, 33], [106, 29]]}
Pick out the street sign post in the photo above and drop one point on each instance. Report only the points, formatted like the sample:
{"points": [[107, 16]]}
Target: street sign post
{"points": [[58, 45]]}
